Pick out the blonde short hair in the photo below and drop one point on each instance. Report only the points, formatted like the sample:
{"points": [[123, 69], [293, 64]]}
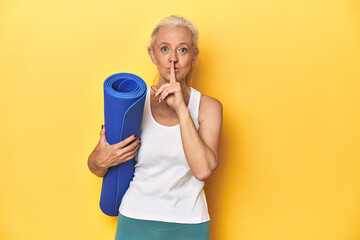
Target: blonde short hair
{"points": [[174, 21]]}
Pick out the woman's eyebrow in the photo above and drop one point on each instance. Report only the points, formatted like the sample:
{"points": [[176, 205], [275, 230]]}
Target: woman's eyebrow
{"points": [[184, 43], [166, 43]]}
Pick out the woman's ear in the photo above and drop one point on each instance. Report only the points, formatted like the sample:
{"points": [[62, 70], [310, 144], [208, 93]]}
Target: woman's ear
{"points": [[151, 54], [195, 57]]}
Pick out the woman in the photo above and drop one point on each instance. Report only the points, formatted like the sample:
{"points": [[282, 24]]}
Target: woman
{"points": [[179, 148]]}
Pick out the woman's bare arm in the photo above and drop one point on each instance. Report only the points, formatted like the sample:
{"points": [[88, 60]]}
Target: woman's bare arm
{"points": [[201, 146], [105, 155]]}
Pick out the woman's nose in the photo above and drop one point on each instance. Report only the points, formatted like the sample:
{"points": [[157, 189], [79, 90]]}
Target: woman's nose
{"points": [[173, 57]]}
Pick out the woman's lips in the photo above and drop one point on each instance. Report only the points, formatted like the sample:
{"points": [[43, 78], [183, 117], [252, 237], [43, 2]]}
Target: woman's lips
{"points": [[176, 69]]}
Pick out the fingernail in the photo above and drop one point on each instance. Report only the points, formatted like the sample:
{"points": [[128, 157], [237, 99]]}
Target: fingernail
{"points": [[135, 136], [102, 126], [139, 139]]}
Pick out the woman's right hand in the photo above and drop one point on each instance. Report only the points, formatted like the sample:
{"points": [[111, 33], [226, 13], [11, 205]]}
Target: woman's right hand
{"points": [[105, 155]]}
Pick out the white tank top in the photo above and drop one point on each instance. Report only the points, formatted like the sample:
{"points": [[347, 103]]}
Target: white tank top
{"points": [[163, 187]]}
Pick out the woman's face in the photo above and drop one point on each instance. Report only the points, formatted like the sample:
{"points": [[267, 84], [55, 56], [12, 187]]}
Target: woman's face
{"points": [[173, 44]]}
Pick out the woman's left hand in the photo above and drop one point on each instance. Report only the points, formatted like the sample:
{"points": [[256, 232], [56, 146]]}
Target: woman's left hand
{"points": [[171, 92]]}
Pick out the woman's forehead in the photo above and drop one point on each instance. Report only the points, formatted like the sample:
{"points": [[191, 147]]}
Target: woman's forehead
{"points": [[174, 35]]}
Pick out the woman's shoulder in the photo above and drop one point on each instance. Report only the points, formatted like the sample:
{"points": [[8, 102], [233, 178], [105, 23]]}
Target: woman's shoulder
{"points": [[210, 107], [208, 101]]}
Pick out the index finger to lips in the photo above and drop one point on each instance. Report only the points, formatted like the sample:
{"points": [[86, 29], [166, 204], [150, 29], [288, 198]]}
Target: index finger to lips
{"points": [[172, 73]]}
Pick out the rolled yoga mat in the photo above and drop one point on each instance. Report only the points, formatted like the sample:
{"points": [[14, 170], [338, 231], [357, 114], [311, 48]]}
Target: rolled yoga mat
{"points": [[124, 98]]}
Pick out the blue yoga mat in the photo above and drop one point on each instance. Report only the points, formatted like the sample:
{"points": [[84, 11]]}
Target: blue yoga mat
{"points": [[124, 98]]}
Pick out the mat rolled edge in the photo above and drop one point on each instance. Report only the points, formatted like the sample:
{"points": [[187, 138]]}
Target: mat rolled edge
{"points": [[124, 99]]}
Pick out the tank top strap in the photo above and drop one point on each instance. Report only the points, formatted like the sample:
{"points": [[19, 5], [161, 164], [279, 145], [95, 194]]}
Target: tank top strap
{"points": [[194, 104]]}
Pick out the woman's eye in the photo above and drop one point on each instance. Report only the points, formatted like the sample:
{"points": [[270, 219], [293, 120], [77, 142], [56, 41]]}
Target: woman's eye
{"points": [[164, 49], [183, 50]]}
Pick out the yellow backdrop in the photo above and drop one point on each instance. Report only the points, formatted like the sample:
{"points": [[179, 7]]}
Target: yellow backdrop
{"points": [[287, 73]]}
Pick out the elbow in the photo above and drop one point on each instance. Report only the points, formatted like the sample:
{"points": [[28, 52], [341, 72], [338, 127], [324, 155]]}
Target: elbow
{"points": [[205, 174], [97, 171]]}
